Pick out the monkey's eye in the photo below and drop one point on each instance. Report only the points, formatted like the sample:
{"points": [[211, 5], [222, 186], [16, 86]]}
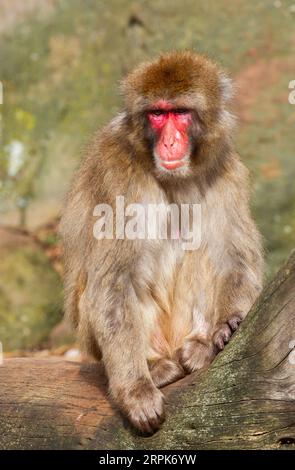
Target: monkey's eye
{"points": [[181, 111], [158, 112]]}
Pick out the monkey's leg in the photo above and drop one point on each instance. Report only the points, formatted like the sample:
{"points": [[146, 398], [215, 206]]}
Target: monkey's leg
{"points": [[196, 353], [199, 350], [194, 303], [119, 334], [165, 371]]}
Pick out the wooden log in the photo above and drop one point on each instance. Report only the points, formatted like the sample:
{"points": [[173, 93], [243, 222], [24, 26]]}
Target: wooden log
{"points": [[246, 400]]}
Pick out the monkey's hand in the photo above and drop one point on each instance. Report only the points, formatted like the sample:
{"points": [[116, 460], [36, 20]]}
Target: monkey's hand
{"points": [[196, 354], [225, 330], [144, 406]]}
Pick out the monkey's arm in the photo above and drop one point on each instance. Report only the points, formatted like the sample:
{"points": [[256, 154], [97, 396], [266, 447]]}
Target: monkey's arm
{"points": [[241, 282], [110, 309]]}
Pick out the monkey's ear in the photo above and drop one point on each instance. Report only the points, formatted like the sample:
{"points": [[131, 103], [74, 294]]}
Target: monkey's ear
{"points": [[226, 87]]}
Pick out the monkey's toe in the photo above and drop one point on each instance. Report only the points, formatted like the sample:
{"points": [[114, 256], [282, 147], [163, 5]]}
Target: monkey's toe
{"points": [[146, 408], [234, 322], [225, 331], [165, 371], [195, 355], [222, 336]]}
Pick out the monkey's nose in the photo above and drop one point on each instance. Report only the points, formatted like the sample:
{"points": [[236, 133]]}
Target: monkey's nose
{"points": [[169, 144]]}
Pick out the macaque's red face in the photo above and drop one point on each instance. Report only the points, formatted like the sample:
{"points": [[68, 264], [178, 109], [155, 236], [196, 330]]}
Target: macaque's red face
{"points": [[170, 125]]}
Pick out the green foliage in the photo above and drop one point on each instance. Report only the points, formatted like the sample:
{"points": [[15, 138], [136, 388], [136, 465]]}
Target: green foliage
{"points": [[30, 297]]}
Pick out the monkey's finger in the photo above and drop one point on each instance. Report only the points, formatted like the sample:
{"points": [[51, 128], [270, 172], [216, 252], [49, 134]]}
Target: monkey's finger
{"points": [[144, 426], [219, 343], [222, 336], [151, 423], [139, 422], [156, 415], [234, 322]]}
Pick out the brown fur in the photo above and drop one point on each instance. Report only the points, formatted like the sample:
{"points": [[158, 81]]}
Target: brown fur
{"points": [[150, 307]]}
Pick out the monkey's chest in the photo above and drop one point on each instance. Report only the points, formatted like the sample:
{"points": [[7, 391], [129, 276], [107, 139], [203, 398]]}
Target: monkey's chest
{"points": [[171, 297]]}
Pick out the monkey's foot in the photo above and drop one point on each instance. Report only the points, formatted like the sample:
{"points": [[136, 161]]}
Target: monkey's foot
{"points": [[196, 354], [144, 406], [224, 332], [165, 371]]}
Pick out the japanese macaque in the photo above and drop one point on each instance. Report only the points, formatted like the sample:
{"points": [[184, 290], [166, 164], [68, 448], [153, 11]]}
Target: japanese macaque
{"points": [[150, 308]]}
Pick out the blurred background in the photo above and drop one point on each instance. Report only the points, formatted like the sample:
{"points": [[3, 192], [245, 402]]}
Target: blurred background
{"points": [[60, 64]]}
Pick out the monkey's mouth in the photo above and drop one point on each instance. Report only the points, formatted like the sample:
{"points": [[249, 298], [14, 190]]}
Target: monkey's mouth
{"points": [[177, 166], [173, 164]]}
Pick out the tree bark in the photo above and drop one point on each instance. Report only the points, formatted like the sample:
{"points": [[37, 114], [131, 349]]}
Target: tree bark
{"points": [[246, 400]]}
